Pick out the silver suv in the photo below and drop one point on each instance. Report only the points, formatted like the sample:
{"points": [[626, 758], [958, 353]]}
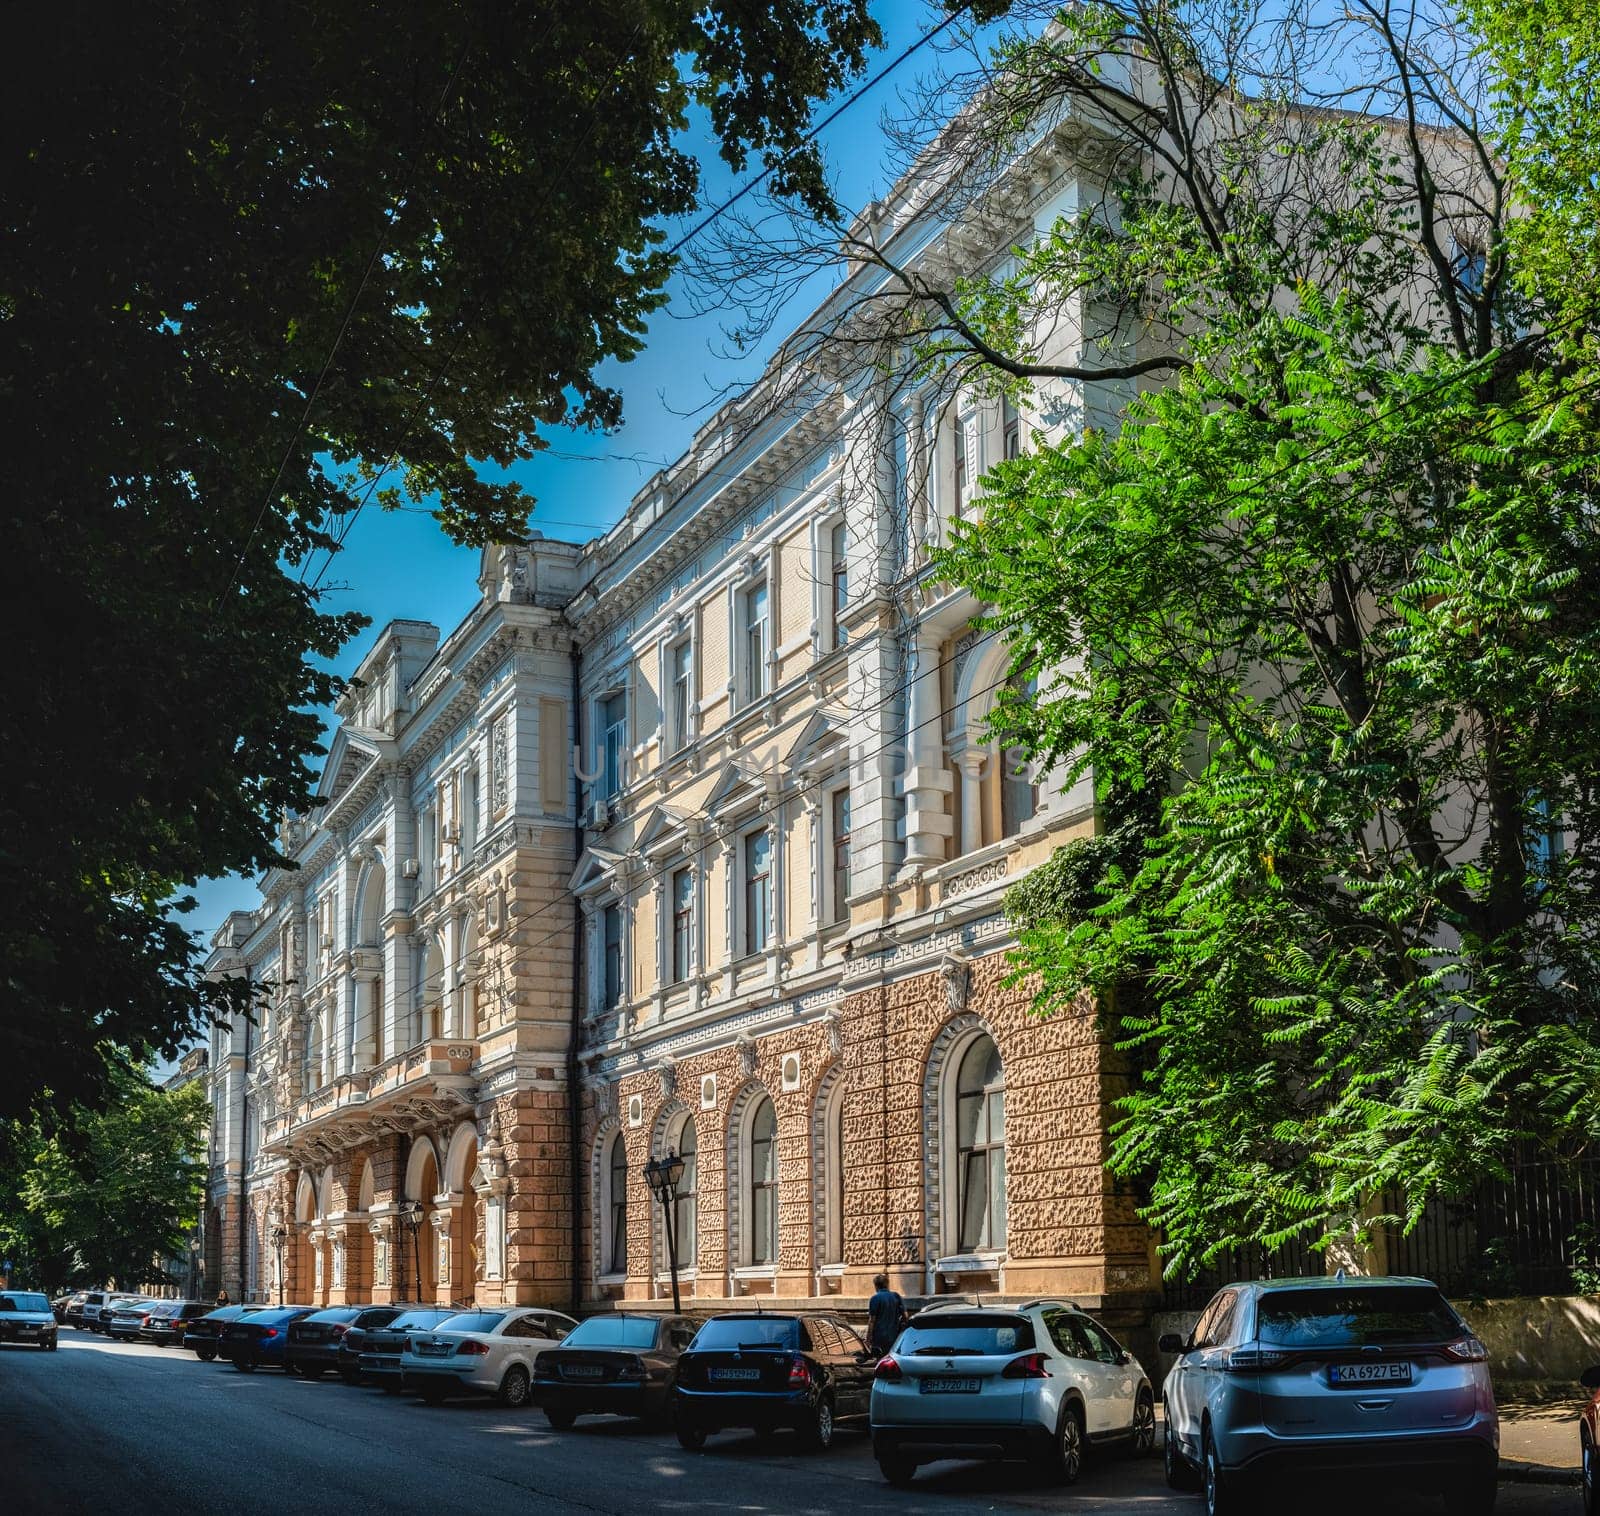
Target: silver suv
{"points": [[1037, 1382], [1313, 1379]]}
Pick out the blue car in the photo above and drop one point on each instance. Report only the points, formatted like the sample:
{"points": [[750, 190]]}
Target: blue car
{"points": [[259, 1339]]}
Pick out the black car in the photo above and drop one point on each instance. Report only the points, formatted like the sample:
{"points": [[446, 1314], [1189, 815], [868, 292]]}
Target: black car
{"points": [[204, 1333], [620, 1364], [260, 1340], [351, 1343], [26, 1317], [381, 1348], [169, 1322], [314, 1342], [806, 1371]]}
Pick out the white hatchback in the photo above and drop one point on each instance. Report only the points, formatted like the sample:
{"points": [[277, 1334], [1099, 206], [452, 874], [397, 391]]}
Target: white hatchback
{"points": [[1040, 1382], [489, 1352]]}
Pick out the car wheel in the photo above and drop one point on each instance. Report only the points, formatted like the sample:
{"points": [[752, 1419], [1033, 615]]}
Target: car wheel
{"points": [[433, 1394], [205, 1355], [1144, 1424], [351, 1377], [244, 1365], [1475, 1497], [311, 1370], [514, 1387], [1180, 1473], [1069, 1446], [898, 1471], [561, 1420], [1222, 1496], [691, 1438], [1587, 1456], [818, 1431]]}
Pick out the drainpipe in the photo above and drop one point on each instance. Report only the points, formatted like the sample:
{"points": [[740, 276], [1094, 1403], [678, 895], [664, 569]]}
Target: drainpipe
{"points": [[575, 1036], [244, 1153]]}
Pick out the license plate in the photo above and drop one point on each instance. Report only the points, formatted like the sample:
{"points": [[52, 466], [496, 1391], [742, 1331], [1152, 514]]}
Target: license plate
{"points": [[1341, 1374], [741, 1376], [433, 1349], [581, 1371], [943, 1384]]}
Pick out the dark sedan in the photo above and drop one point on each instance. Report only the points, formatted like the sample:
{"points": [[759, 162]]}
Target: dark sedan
{"points": [[620, 1364], [381, 1349], [168, 1324], [805, 1371], [27, 1318], [204, 1334], [259, 1340], [314, 1342], [352, 1342]]}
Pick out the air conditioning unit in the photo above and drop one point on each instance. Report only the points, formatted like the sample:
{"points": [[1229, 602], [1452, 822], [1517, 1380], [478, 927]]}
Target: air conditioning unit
{"points": [[452, 834], [410, 867], [327, 942], [598, 817]]}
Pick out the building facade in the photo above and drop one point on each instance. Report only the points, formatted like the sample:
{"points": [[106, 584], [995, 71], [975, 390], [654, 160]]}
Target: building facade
{"points": [[689, 839]]}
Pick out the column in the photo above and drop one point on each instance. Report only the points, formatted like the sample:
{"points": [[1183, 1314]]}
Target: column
{"points": [[971, 762], [927, 780]]}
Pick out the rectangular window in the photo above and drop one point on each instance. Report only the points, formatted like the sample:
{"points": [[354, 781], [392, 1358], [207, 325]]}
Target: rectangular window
{"points": [[612, 968], [960, 465], [613, 743], [839, 581], [682, 925], [1011, 428], [757, 890], [755, 642], [840, 825], [682, 693]]}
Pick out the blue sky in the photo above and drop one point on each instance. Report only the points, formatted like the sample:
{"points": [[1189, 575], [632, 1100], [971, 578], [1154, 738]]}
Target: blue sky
{"points": [[400, 564]]}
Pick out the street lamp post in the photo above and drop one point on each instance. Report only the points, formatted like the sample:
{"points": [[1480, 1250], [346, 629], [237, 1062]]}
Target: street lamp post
{"points": [[411, 1214], [280, 1235], [662, 1175]]}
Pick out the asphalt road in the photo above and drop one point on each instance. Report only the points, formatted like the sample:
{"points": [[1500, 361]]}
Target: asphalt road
{"points": [[101, 1426]]}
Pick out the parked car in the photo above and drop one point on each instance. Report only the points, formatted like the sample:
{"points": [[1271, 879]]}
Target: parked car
{"points": [[100, 1320], [168, 1325], [26, 1318], [72, 1312], [204, 1333], [351, 1343], [128, 1317], [619, 1364], [58, 1307], [1317, 1379], [1041, 1382], [1589, 1442], [94, 1303], [487, 1352], [258, 1341], [314, 1341], [382, 1347], [806, 1371]]}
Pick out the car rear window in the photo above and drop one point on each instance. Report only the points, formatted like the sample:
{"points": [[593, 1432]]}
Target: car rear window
{"points": [[371, 1320], [747, 1332], [417, 1319], [472, 1321], [338, 1313], [1354, 1317], [20, 1302], [967, 1335], [612, 1332]]}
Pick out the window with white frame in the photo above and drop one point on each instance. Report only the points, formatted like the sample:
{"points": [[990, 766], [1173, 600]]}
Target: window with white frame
{"points": [[754, 636], [613, 743], [762, 1186], [832, 1164], [615, 1241], [961, 483], [1019, 795], [682, 964], [1010, 428], [838, 582], [980, 1152], [686, 1209], [757, 890], [469, 814], [611, 956], [680, 693], [839, 855]]}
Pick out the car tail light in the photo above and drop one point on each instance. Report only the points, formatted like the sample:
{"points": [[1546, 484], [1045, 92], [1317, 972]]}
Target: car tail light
{"points": [[338, 1329], [1252, 1360], [472, 1349], [269, 1331], [888, 1370], [1029, 1366], [1468, 1350], [799, 1371], [632, 1368]]}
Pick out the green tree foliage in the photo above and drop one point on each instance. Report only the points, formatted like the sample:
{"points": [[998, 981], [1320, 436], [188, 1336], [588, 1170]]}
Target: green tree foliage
{"points": [[110, 1194], [1321, 617], [199, 204]]}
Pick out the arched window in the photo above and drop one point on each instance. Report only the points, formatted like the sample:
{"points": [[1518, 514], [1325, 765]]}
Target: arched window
{"points": [[616, 1240], [764, 1183], [980, 1148], [829, 1140], [686, 1212]]}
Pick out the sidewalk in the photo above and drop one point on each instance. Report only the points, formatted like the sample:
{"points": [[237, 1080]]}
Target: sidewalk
{"points": [[1539, 1431]]}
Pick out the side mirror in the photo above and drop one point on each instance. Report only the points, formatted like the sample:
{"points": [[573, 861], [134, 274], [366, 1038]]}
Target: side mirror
{"points": [[1590, 1378], [1170, 1342], [1124, 1357]]}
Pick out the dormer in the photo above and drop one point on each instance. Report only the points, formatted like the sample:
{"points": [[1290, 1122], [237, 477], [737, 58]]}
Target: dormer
{"points": [[378, 688]]}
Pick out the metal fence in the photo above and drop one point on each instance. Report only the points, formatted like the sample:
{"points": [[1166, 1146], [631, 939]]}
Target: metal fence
{"points": [[1536, 1233]]}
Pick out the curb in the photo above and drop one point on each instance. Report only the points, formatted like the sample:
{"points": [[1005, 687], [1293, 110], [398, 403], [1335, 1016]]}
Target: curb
{"points": [[1513, 1471]]}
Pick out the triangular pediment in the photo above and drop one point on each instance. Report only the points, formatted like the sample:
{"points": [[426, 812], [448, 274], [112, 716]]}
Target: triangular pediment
{"points": [[663, 828], [349, 755], [594, 870], [823, 742]]}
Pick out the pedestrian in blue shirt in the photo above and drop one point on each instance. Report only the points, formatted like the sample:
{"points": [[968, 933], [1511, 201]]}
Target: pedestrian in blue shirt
{"points": [[886, 1314]]}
